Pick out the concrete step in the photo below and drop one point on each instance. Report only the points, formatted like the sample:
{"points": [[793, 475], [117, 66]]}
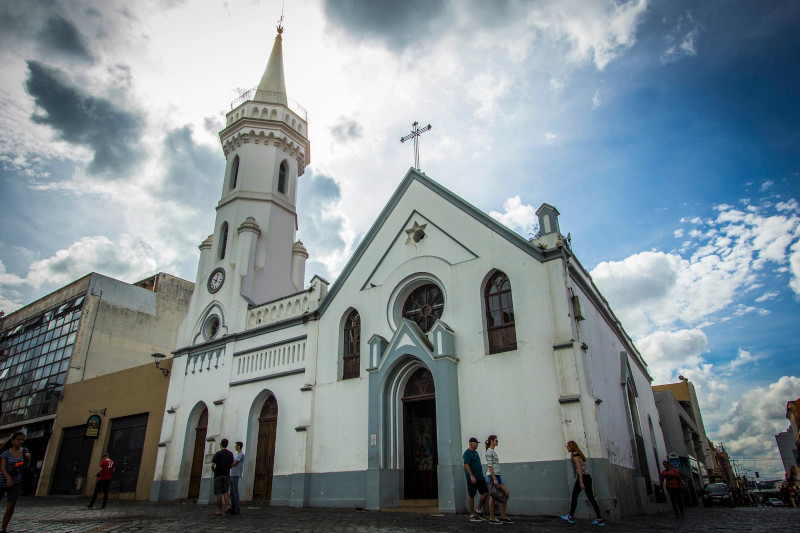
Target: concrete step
{"points": [[415, 506]]}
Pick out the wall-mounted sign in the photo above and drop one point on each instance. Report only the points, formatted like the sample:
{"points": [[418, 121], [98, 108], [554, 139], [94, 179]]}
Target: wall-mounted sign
{"points": [[93, 426], [674, 461]]}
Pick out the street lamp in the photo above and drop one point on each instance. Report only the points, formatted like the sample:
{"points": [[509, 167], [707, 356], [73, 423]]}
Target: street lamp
{"points": [[158, 357]]}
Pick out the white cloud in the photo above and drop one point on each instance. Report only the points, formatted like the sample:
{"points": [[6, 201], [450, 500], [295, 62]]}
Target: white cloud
{"points": [[550, 138], [517, 216], [678, 233], [9, 279], [682, 40], [651, 291], [789, 206], [666, 351], [794, 261], [766, 185], [767, 296], [130, 259], [595, 30], [596, 100], [744, 357], [753, 420], [486, 89]]}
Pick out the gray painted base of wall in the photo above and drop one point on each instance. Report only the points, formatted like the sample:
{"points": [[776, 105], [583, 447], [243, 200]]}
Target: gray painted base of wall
{"points": [[165, 490], [541, 488]]}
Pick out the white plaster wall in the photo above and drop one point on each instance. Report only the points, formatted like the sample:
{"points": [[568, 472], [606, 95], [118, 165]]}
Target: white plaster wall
{"points": [[524, 380], [231, 419], [604, 365]]}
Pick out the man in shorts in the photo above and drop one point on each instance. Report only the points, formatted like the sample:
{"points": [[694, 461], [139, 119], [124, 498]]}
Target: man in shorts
{"points": [[221, 465], [475, 481]]}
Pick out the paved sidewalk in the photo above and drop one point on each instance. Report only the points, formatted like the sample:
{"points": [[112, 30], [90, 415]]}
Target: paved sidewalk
{"points": [[70, 515]]}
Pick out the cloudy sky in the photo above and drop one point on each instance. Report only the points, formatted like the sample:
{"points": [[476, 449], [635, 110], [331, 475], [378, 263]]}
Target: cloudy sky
{"points": [[665, 132]]}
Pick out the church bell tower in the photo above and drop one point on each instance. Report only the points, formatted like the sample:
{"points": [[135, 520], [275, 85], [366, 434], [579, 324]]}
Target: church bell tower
{"points": [[252, 257]]}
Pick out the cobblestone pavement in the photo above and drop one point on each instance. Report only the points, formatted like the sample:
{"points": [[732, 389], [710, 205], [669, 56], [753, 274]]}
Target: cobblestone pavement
{"points": [[70, 515]]}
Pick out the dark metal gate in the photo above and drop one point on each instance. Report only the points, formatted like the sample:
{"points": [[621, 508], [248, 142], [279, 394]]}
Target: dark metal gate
{"points": [[73, 462], [125, 448]]}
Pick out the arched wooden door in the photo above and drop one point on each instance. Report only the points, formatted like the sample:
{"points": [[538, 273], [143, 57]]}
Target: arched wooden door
{"points": [[265, 451], [197, 456], [419, 437]]}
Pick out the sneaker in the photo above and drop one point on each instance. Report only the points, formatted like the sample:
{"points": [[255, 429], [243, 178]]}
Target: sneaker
{"points": [[506, 520], [495, 521], [474, 518], [567, 518], [598, 522], [479, 514]]}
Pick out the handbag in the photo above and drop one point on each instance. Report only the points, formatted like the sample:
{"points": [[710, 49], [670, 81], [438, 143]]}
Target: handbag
{"points": [[497, 494]]}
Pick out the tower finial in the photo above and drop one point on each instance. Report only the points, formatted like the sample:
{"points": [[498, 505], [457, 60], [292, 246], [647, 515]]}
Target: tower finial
{"points": [[280, 22]]}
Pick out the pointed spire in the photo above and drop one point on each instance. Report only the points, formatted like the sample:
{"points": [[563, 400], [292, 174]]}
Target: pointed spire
{"points": [[272, 82]]}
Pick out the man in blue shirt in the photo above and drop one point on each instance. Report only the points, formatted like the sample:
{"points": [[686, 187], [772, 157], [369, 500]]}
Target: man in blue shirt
{"points": [[475, 481]]}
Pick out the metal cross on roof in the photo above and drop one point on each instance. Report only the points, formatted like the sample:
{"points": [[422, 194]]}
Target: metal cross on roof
{"points": [[415, 133], [280, 21]]}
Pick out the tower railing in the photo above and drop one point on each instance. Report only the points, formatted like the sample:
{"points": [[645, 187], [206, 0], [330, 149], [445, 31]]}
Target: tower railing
{"points": [[271, 97]]}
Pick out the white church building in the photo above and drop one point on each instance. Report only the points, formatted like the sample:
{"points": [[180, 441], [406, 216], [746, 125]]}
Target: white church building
{"points": [[443, 325]]}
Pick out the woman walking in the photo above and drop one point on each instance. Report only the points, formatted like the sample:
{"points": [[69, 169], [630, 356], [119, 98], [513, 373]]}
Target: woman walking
{"points": [[12, 459], [674, 483], [583, 482], [493, 478]]}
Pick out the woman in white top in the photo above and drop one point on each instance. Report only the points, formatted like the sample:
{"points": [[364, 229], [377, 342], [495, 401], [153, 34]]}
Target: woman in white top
{"points": [[493, 478]]}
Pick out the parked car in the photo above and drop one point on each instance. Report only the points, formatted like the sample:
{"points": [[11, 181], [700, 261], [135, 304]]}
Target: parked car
{"points": [[773, 502], [717, 494]]}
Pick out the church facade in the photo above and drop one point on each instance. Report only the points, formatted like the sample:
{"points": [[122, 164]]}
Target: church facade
{"points": [[443, 325]]}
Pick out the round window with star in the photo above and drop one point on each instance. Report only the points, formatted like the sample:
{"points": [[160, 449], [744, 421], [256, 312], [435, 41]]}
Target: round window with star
{"points": [[424, 305], [215, 280]]}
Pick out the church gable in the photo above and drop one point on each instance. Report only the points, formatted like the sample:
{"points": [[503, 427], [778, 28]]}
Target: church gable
{"points": [[419, 236], [436, 227]]}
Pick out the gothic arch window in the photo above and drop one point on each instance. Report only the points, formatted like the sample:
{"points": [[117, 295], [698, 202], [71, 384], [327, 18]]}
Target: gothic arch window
{"points": [[223, 240], [234, 172], [282, 172], [424, 306], [351, 352], [499, 314]]}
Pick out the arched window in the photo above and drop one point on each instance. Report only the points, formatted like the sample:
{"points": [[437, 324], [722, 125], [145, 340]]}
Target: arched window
{"points": [[234, 172], [223, 240], [500, 314], [351, 354], [424, 306], [284, 170]]}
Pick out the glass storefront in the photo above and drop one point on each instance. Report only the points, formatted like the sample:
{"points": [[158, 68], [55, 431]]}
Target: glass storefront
{"points": [[34, 358]]}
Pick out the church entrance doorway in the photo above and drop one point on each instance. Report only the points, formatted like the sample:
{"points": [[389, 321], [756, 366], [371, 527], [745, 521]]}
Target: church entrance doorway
{"points": [[419, 437], [198, 454], [265, 451]]}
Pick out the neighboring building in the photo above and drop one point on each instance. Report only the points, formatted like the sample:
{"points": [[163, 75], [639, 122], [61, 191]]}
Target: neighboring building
{"points": [[717, 473], [793, 415], [787, 449], [130, 404], [792, 486], [443, 325], [722, 463], [684, 433], [92, 327]]}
